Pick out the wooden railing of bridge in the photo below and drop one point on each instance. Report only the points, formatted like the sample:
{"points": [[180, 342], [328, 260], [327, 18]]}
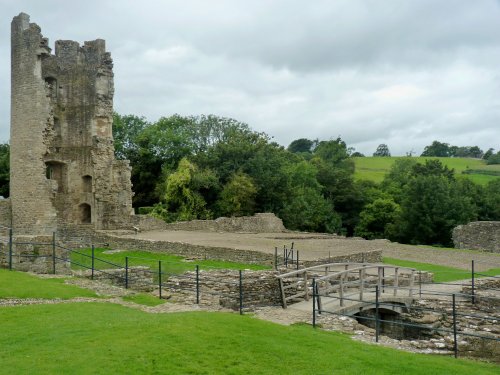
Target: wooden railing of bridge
{"points": [[341, 277]]}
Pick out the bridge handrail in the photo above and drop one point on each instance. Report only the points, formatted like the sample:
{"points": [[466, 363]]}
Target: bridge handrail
{"points": [[298, 272], [339, 273]]}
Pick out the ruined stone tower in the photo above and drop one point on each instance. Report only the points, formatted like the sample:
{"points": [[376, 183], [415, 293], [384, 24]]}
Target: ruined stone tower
{"points": [[63, 170]]}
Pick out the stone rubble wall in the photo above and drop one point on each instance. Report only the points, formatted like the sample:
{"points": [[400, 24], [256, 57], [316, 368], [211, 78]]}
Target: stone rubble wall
{"points": [[33, 254], [139, 277], [259, 223], [260, 288], [478, 235], [374, 256], [5, 213]]}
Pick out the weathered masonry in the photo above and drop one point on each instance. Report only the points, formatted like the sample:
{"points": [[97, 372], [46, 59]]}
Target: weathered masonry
{"points": [[63, 170]]}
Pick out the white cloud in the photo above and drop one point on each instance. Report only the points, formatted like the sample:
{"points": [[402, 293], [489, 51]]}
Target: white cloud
{"points": [[402, 73]]}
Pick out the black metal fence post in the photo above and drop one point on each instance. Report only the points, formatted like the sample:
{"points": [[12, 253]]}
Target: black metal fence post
{"points": [[159, 278], [455, 345], [314, 302], [473, 286], [197, 284], [377, 322], [276, 258], [10, 249], [126, 272], [54, 253], [241, 292], [297, 259], [93, 261]]}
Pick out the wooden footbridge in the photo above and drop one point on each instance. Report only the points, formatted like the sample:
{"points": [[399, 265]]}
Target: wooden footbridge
{"points": [[348, 288]]}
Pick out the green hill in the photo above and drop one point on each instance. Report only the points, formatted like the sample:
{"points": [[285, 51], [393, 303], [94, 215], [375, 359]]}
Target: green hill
{"points": [[375, 168]]}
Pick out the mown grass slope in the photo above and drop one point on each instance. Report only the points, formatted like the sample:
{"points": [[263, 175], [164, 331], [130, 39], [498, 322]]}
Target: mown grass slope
{"points": [[15, 284], [104, 338], [375, 168]]}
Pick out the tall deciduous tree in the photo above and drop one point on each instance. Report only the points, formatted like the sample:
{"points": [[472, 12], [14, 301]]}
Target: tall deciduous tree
{"points": [[437, 149], [238, 196], [382, 150]]}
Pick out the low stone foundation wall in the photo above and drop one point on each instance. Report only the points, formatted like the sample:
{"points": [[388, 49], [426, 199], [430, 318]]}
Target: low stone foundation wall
{"points": [[139, 277], [34, 254], [184, 249], [374, 256], [478, 235], [259, 223], [259, 288]]}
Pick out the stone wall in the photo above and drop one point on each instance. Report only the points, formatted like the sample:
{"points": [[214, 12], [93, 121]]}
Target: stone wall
{"points": [[183, 249], [63, 169], [5, 213], [478, 235], [259, 223], [139, 277], [374, 256], [259, 288], [34, 254]]}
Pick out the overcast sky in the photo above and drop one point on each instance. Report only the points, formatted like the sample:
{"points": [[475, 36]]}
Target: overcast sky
{"points": [[399, 72]]}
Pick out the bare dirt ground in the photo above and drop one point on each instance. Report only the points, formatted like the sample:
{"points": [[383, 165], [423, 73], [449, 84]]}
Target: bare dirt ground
{"points": [[319, 246]]}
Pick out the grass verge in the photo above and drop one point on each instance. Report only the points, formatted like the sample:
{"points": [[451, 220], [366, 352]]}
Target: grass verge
{"points": [[441, 273], [15, 284], [144, 299], [111, 339], [171, 264]]}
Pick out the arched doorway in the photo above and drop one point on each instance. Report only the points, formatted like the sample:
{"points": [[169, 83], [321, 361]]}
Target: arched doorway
{"points": [[85, 213]]}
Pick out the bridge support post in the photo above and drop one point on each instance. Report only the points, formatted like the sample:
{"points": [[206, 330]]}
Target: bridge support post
{"points": [[455, 346], [396, 281], [282, 292], [361, 283], [314, 302], [341, 289], [412, 282], [306, 289]]}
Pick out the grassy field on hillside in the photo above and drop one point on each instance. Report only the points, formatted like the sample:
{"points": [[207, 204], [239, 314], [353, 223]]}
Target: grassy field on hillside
{"points": [[103, 338], [375, 168]]}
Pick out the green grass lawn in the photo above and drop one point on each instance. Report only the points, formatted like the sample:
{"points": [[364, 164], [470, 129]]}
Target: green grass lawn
{"points": [[144, 299], [375, 168], [104, 338], [171, 264], [441, 273], [15, 284]]}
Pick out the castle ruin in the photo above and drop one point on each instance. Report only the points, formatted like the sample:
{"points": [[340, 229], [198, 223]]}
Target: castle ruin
{"points": [[63, 169]]}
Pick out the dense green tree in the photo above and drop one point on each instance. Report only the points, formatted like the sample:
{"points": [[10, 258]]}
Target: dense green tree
{"points": [[238, 196], [301, 145], [437, 149], [182, 197], [4, 169], [488, 153], [126, 129], [466, 152], [335, 173], [432, 206], [490, 209], [494, 159], [398, 177], [382, 150], [377, 219]]}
